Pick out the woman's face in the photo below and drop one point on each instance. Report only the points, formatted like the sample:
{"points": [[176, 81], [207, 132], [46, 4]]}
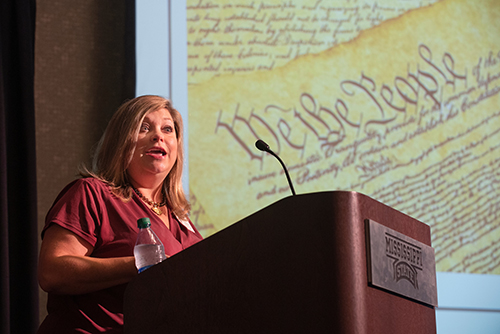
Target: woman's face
{"points": [[156, 148]]}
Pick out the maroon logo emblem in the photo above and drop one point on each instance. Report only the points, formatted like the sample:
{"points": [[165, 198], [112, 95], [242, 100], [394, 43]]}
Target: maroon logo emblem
{"points": [[406, 257]]}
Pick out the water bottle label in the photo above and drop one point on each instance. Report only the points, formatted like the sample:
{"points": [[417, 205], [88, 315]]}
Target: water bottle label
{"points": [[147, 255]]}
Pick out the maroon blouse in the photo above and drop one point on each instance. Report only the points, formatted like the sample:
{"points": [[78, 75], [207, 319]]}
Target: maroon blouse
{"points": [[88, 208]]}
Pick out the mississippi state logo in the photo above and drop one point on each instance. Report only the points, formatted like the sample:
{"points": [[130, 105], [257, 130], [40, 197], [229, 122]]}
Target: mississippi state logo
{"points": [[406, 259], [400, 264]]}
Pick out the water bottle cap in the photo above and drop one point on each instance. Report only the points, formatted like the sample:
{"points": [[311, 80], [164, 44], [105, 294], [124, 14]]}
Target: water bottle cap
{"points": [[143, 222]]}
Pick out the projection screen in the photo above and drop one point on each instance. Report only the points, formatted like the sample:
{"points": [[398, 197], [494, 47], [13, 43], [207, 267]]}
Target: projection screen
{"points": [[398, 100]]}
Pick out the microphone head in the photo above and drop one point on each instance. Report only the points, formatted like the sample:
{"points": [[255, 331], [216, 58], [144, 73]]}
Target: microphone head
{"points": [[261, 145]]}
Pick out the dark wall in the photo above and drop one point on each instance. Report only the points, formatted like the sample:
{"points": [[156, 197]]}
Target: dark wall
{"points": [[84, 69]]}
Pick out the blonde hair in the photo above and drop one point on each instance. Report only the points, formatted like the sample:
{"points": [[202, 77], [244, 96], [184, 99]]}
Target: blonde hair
{"points": [[115, 150]]}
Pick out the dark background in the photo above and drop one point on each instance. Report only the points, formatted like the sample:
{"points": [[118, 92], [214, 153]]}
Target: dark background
{"points": [[65, 67]]}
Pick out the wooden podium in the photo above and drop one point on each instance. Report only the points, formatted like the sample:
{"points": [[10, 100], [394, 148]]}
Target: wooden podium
{"points": [[297, 266]]}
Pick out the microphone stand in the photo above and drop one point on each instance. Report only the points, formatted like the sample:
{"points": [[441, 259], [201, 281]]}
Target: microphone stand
{"points": [[261, 145]]}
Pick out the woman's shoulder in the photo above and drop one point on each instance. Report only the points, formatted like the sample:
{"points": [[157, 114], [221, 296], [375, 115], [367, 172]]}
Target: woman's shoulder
{"points": [[86, 185], [92, 182], [87, 190], [88, 182]]}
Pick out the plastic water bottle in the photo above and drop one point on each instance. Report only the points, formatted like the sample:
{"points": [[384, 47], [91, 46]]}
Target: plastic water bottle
{"points": [[148, 249]]}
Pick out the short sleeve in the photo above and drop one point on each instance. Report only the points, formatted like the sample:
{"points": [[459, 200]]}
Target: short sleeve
{"points": [[77, 210]]}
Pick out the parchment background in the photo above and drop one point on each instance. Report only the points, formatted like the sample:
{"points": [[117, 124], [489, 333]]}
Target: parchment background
{"points": [[399, 103]]}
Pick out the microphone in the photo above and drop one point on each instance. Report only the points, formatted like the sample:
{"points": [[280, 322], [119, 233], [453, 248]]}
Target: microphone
{"points": [[261, 145]]}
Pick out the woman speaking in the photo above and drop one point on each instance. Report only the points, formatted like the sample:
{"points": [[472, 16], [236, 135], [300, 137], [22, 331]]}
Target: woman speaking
{"points": [[86, 256]]}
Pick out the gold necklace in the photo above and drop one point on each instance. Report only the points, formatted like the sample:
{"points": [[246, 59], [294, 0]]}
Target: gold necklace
{"points": [[155, 205]]}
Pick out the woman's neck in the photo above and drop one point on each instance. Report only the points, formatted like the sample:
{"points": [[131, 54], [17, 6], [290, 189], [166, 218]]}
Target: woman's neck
{"points": [[151, 190]]}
